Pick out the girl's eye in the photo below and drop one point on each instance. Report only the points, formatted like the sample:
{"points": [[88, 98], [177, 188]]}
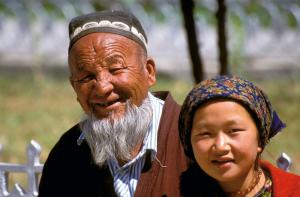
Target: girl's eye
{"points": [[235, 130], [201, 135], [206, 133]]}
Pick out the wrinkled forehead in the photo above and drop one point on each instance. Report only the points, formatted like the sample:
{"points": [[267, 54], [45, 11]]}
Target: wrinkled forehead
{"points": [[103, 45], [104, 40]]}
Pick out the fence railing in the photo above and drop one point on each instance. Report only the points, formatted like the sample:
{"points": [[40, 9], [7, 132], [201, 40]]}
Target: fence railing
{"points": [[32, 168]]}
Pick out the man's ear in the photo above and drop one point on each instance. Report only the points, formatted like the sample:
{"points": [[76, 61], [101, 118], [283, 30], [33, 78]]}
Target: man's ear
{"points": [[151, 71]]}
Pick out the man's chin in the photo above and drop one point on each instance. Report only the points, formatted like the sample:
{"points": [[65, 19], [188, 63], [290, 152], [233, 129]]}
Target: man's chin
{"points": [[112, 115], [111, 135], [114, 111]]}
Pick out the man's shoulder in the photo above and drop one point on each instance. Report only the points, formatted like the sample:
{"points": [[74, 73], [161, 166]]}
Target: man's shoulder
{"points": [[163, 95], [167, 98], [71, 134], [67, 152], [68, 140]]}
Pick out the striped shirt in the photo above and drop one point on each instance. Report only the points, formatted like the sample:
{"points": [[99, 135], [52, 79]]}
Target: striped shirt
{"points": [[127, 176]]}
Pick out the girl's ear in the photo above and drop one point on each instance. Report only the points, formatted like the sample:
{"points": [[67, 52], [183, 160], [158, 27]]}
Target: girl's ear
{"points": [[259, 149]]}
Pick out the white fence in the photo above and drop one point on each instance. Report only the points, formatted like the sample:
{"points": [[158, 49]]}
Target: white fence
{"points": [[32, 168]]}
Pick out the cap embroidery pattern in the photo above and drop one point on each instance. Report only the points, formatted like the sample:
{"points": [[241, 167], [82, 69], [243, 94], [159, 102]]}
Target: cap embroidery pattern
{"points": [[106, 23]]}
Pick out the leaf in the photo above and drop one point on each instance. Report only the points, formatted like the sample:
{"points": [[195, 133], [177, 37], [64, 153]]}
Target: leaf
{"points": [[259, 11], [151, 9], [6, 10], [97, 5], [52, 9], [291, 20], [205, 13], [235, 19]]}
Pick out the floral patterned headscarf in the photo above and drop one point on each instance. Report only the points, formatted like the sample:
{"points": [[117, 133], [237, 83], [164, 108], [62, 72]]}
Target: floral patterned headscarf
{"points": [[232, 88]]}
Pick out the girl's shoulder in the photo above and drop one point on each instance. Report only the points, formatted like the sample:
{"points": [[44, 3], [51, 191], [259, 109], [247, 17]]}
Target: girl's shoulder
{"points": [[284, 183]]}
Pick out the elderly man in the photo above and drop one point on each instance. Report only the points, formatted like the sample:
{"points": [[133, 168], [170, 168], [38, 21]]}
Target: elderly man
{"points": [[127, 144]]}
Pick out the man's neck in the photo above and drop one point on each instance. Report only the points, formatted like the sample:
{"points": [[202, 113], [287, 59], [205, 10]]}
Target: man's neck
{"points": [[135, 151]]}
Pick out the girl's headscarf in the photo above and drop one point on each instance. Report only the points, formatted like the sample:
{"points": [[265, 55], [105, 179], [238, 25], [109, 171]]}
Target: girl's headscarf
{"points": [[232, 88]]}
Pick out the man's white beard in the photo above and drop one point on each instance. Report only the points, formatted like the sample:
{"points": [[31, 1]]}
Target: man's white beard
{"points": [[116, 137]]}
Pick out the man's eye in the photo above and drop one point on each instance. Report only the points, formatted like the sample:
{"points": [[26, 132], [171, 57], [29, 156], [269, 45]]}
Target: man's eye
{"points": [[85, 79], [116, 69]]}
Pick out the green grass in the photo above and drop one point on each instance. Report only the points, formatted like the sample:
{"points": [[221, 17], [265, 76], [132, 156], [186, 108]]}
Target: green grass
{"points": [[285, 97], [32, 108], [42, 108]]}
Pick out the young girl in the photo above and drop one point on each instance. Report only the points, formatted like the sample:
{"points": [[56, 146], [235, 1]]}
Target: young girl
{"points": [[224, 125]]}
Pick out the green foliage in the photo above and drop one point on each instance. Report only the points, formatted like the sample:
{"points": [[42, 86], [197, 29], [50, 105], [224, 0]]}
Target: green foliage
{"points": [[235, 19], [153, 10], [128, 2], [256, 9], [97, 5], [204, 13], [291, 20], [5, 10], [52, 9], [237, 48]]}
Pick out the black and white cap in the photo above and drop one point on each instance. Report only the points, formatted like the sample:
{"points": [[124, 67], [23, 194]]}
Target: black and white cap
{"points": [[117, 22]]}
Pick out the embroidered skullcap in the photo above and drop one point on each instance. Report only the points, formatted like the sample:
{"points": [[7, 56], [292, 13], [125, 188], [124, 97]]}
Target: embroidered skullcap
{"points": [[232, 88], [117, 22]]}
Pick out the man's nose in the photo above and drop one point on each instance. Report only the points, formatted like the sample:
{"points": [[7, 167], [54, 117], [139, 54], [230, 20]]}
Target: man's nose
{"points": [[103, 85]]}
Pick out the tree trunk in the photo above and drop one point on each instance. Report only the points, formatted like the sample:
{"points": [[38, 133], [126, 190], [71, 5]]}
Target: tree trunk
{"points": [[189, 23], [222, 41]]}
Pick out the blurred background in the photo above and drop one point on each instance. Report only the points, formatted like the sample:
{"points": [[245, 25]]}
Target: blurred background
{"points": [[258, 40]]}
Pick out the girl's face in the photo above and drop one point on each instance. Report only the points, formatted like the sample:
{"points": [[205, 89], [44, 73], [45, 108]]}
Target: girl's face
{"points": [[224, 139]]}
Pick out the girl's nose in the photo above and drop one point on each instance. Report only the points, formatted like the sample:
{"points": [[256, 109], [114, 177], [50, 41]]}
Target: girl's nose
{"points": [[221, 144]]}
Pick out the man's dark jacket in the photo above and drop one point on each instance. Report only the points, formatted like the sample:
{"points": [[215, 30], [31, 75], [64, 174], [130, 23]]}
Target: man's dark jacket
{"points": [[70, 170]]}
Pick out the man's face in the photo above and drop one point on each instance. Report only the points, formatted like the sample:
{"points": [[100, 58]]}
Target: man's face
{"points": [[108, 69]]}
